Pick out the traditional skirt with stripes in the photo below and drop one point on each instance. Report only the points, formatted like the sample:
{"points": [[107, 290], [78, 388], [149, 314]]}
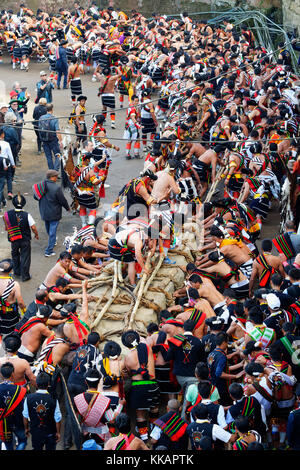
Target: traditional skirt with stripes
{"points": [[188, 189], [96, 55], [103, 59], [76, 86], [148, 126], [87, 200], [9, 318], [241, 289], [118, 252], [163, 211], [260, 205], [10, 45], [202, 170], [17, 52], [235, 184], [83, 55], [26, 50], [108, 100], [52, 62], [157, 75], [70, 53], [162, 376], [246, 268], [143, 395]]}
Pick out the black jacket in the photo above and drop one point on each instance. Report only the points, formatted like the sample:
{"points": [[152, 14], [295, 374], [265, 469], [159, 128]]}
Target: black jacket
{"points": [[186, 356], [38, 111], [52, 202]]}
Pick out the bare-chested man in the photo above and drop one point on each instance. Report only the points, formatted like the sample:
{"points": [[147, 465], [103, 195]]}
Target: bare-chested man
{"points": [[159, 343], [144, 392], [265, 265], [204, 287], [195, 149], [201, 311], [165, 182], [106, 91], [161, 192], [127, 245], [22, 369], [61, 269], [215, 262], [207, 162], [11, 299], [33, 332], [234, 250], [54, 348], [77, 327], [74, 71]]}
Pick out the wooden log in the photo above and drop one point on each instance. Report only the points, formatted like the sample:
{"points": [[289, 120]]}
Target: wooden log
{"points": [[140, 293], [110, 301]]}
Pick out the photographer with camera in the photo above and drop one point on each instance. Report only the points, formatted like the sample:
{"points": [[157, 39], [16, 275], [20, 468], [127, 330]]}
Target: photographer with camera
{"points": [[44, 87]]}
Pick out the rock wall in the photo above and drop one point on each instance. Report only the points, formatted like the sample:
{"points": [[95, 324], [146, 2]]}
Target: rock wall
{"points": [[291, 14]]}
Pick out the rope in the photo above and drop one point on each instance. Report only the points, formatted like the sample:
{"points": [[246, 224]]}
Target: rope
{"points": [[181, 92]]}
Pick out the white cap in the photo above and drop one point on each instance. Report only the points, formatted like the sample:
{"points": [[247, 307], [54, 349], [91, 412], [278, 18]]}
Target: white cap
{"points": [[42, 72], [273, 301], [4, 105]]}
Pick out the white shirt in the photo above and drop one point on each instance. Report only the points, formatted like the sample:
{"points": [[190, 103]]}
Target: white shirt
{"points": [[6, 152], [221, 414], [217, 431]]}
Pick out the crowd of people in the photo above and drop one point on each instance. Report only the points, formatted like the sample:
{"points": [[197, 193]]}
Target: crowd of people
{"points": [[217, 118]]}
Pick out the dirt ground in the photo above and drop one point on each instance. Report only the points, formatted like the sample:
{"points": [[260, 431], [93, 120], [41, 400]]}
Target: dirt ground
{"points": [[34, 167]]}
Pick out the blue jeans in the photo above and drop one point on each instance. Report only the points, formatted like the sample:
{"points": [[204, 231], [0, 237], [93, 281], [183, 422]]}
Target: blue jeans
{"points": [[63, 72], [51, 149], [9, 178], [2, 184], [22, 440], [51, 228]]}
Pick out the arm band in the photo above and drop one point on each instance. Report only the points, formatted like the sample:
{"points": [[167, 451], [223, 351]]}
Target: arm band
{"points": [[67, 277]]}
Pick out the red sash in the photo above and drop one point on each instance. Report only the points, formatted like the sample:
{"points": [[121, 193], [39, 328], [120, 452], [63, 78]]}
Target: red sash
{"points": [[267, 272], [124, 444], [9, 409], [29, 324], [80, 328]]}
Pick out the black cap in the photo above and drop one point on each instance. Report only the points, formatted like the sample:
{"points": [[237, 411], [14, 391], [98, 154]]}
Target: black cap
{"points": [[18, 201], [130, 338], [67, 309], [44, 311]]}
